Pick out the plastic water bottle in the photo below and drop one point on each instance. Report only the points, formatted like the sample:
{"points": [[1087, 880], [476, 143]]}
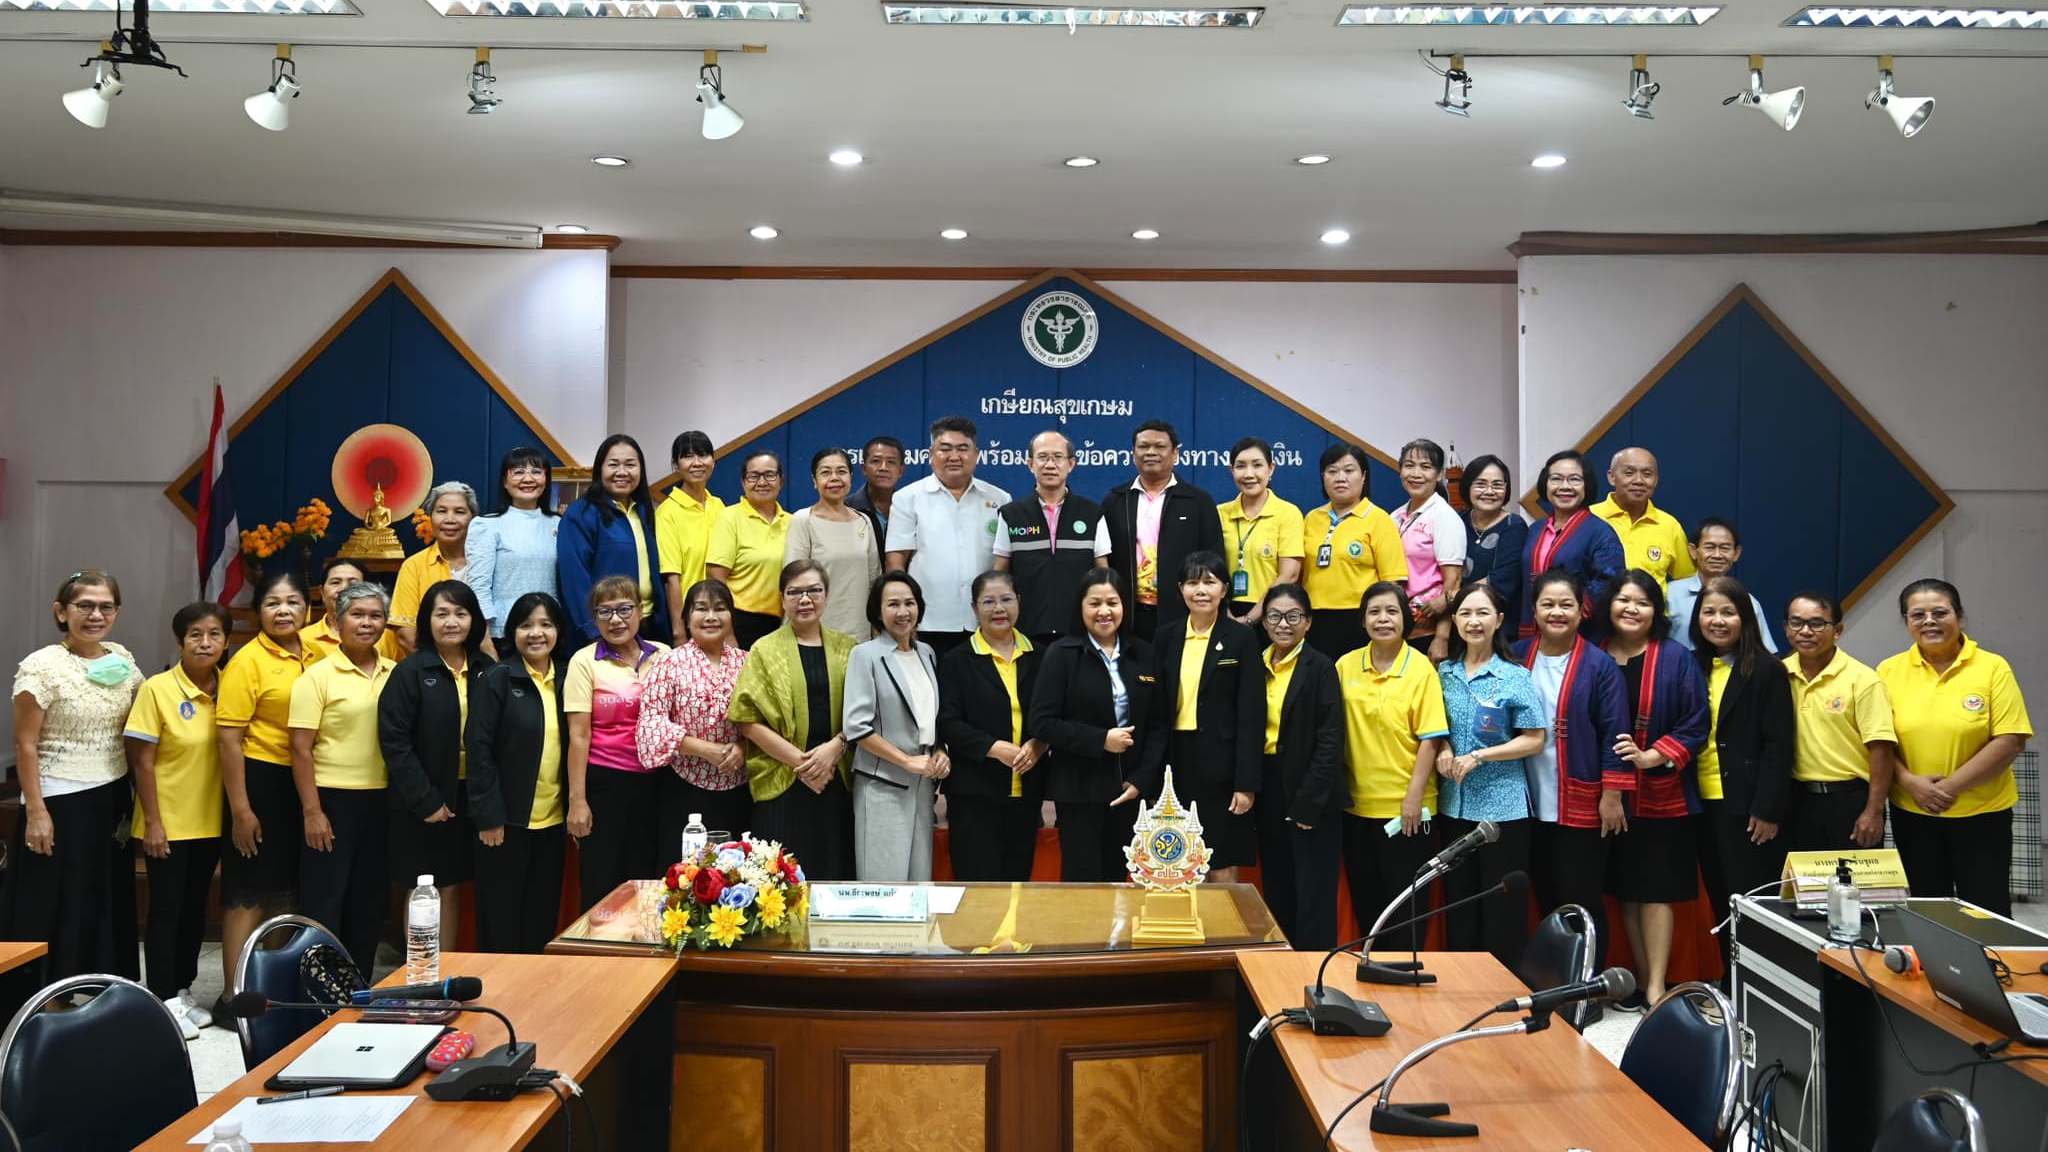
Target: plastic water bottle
{"points": [[695, 836], [423, 933], [227, 1137], [1845, 906]]}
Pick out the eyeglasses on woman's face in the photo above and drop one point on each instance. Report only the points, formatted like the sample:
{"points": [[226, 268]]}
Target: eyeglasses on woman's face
{"points": [[617, 612], [807, 592]]}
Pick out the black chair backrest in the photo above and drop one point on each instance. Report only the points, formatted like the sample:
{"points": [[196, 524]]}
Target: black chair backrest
{"points": [[1687, 1060], [1921, 1125], [55, 1083], [1562, 952], [277, 971]]}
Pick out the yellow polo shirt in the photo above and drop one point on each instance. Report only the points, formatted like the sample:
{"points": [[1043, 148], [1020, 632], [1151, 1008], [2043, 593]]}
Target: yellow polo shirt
{"points": [[1943, 720], [1278, 677], [1655, 543], [548, 809], [1841, 713], [322, 641], [682, 534], [256, 694], [1006, 671], [645, 573], [421, 571], [337, 701], [1708, 763], [751, 547], [1193, 647], [1256, 546], [1365, 548], [176, 715], [1387, 716]]}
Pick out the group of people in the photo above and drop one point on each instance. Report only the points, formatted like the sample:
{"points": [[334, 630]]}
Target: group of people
{"points": [[1337, 692]]}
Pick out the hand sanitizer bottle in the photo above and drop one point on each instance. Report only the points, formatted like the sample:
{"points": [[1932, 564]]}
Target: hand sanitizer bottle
{"points": [[1845, 906]]}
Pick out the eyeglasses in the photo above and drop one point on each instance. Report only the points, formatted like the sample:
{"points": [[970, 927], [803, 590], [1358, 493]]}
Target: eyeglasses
{"points": [[811, 593], [528, 470], [617, 611], [1807, 624], [997, 602], [1287, 619], [1928, 615], [1489, 486], [761, 477], [93, 608], [1048, 457], [1567, 481]]}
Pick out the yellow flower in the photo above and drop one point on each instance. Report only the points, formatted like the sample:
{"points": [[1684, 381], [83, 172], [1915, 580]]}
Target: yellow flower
{"points": [[675, 924], [772, 906], [728, 925]]}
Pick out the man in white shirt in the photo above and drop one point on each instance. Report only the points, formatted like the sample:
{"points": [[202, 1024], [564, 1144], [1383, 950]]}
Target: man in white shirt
{"points": [[1715, 547], [942, 530]]}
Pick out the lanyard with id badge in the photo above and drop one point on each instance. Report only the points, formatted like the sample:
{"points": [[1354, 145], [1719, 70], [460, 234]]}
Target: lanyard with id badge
{"points": [[1323, 553], [1241, 580]]}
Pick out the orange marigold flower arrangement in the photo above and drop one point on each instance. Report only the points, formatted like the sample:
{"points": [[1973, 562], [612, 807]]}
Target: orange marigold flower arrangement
{"points": [[422, 525], [312, 520]]}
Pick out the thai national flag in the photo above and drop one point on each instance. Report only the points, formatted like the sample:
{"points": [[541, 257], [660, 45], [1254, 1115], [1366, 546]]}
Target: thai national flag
{"points": [[220, 533]]}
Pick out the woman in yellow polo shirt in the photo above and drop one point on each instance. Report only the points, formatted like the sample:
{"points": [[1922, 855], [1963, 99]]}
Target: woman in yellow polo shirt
{"points": [[1262, 533], [1347, 545], [518, 746], [259, 867], [1961, 720], [322, 634], [450, 508], [338, 772], [747, 545], [683, 522], [176, 763]]}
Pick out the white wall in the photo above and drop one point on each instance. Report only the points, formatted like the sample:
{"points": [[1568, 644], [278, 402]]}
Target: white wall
{"points": [[107, 360], [1945, 351]]}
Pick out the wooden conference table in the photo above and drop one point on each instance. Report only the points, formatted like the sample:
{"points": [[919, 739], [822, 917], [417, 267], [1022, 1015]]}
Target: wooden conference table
{"points": [[1025, 1019], [15, 953], [1550, 1090], [576, 1011]]}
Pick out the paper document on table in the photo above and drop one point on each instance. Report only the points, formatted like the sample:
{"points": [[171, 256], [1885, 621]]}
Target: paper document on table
{"points": [[326, 1120], [945, 899]]}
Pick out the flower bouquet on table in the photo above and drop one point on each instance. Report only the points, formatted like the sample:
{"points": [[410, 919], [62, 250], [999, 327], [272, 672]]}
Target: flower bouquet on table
{"points": [[728, 892]]}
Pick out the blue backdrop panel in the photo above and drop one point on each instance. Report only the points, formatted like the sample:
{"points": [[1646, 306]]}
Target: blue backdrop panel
{"points": [[1790, 468], [1880, 503]]}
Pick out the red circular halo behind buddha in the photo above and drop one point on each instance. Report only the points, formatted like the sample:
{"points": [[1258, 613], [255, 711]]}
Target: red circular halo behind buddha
{"points": [[383, 455]]}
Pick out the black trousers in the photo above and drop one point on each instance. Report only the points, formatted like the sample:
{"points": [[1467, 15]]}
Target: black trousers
{"points": [[730, 810], [1731, 865], [176, 926], [1489, 925], [816, 826], [1338, 630], [749, 627], [992, 837], [1824, 821], [347, 888], [1093, 837], [621, 845], [1569, 866], [519, 889], [1299, 871], [1968, 857], [81, 897], [1379, 866]]}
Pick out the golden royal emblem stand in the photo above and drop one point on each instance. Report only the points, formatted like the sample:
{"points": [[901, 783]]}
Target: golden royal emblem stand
{"points": [[1168, 857]]}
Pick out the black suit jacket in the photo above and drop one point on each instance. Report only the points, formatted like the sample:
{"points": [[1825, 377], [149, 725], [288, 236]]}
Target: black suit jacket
{"points": [[1073, 709], [1310, 755], [1187, 524], [974, 713], [419, 728], [1755, 736], [1230, 707], [504, 735]]}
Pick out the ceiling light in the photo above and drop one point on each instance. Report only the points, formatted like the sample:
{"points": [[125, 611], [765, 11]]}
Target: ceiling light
{"points": [[89, 105], [483, 90], [846, 157], [1145, 234], [720, 119], [1782, 107], [1973, 19], [1547, 160], [571, 229], [763, 232], [228, 7], [1504, 15], [130, 44], [1080, 161], [1461, 104], [263, 220], [636, 9], [1312, 159], [610, 161], [271, 108], [1336, 236], [953, 233], [1910, 113], [1071, 18], [1641, 89]]}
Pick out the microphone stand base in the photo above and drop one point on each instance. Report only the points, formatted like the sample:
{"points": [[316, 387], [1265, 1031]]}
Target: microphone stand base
{"points": [[1406, 972], [1418, 1120], [1334, 1013], [494, 1075]]}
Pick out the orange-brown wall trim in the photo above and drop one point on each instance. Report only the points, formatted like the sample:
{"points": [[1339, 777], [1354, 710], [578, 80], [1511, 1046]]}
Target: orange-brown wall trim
{"points": [[91, 238]]}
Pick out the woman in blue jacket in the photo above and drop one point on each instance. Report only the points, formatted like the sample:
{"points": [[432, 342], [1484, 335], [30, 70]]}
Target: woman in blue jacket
{"points": [[610, 532], [1571, 538]]}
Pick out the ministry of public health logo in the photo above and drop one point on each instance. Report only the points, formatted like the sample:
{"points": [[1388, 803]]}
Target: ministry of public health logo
{"points": [[1059, 329]]}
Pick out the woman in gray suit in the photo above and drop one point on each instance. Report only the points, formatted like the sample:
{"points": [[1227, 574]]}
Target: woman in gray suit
{"points": [[892, 709]]}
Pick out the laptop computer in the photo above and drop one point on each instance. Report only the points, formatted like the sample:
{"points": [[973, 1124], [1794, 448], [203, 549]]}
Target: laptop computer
{"points": [[358, 1055], [1959, 972]]}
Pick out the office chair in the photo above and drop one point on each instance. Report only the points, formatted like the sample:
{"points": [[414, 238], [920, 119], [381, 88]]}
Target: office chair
{"points": [[105, 1075], [1564, 949], [275, 972], [1689, 1061], [1919, 1125]]}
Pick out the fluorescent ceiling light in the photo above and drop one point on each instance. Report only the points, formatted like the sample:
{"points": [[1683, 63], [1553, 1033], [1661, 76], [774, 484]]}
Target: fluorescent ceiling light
{"points": [[1505, 15], [1966, 19], [203, 7], [1072, 17], [785, 10], [1547, 160], [259, 220]]}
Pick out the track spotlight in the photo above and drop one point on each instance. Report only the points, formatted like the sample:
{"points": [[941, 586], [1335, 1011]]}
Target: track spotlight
{"points": [[720, 119], [130, 44], [1461, 104], [1641, 89], [1910, 113], [271, 108], [1782, 107], [483, 87], [89, 105]]}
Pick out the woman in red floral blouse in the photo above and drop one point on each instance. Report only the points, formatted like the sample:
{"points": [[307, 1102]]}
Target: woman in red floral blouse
{"points": [[683, 722]]}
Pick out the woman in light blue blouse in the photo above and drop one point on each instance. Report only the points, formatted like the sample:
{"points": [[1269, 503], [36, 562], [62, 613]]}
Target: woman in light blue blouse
{"points": [[511, 551], [1496, 721]]}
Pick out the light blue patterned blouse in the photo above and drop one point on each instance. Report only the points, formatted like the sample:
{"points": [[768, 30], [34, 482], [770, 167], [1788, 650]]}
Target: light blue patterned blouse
{"points": [[510, 555], [1498, 790]]}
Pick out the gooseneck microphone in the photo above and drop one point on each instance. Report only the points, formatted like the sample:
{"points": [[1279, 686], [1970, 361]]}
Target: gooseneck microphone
{"points": [[1332, 1012], [1514, 886], [453, 988], [1613, 984], [249, 1005], [1485, 833]]}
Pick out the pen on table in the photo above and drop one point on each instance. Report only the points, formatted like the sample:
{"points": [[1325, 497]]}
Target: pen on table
{"points": [[308, 1094]]}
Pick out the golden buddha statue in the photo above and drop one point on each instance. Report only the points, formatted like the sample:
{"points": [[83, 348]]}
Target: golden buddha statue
{"points": [[374, 540]]}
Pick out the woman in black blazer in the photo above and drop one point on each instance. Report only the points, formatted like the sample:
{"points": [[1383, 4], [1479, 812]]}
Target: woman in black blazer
{"points": [[1217, 723], [419, 727], [518, 743], [1099, 728], [1746, 781], [1301, 841], [995, 792]]}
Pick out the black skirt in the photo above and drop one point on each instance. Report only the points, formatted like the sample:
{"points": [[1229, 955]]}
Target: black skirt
{"points": [[1232, 840], [817, 827], [272, 874], [1655, 862], [81, 897], [445, 850]]}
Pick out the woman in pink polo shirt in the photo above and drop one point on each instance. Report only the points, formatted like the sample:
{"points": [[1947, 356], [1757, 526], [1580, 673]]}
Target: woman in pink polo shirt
{"points": [[612, 796], [1433, 539]]}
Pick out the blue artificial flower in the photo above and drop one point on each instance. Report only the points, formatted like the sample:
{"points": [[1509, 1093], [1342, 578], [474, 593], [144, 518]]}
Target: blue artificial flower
{"points": [[737, 896], [730, 858]]}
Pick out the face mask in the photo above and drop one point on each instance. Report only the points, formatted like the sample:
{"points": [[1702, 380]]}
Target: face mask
{"points": [[109, 669]]}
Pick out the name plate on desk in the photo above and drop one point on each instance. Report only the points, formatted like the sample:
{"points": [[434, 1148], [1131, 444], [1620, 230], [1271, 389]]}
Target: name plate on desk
{"points": [[871, 903], [1879, 875]]}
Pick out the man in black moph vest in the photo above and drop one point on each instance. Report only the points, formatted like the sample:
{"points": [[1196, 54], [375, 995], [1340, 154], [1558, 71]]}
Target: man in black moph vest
{"points": [[1048, 539]]}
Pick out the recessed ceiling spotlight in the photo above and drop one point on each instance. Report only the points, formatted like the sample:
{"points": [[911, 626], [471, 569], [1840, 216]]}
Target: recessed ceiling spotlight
{"points": [[953, 233], [1336, 236], [571, 229], [1547, 160], [846, 157], [1312, 159], [1145, 234], [1081, 161], [763, 232], [610, 161]]}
